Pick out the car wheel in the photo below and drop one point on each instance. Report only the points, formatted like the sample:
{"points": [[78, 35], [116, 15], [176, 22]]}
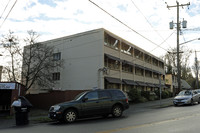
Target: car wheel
{"points": [[117, 111], [70, 116]]}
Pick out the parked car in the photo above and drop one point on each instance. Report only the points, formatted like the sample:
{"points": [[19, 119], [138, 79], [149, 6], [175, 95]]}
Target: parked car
{"points": [[187, 97], [91, 103], [198, 90]]}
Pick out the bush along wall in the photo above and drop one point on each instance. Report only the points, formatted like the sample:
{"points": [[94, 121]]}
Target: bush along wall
{"points": [[137, 96], [134, 95], [164, 94]]}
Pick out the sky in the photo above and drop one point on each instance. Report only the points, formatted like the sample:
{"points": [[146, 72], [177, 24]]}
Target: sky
{"points": [[144, 23]]}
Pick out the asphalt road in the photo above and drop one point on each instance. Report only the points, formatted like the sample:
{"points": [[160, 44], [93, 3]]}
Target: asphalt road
{"points": [[138, 119]]}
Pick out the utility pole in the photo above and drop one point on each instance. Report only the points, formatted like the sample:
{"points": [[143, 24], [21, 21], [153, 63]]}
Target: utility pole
{"points": [[197, 70], [178, 30]]}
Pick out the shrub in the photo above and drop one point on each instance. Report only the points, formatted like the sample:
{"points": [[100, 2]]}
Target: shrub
{"points": [[134, 95], [149, 95], [165, 94], [145, 94], [142, 99]]}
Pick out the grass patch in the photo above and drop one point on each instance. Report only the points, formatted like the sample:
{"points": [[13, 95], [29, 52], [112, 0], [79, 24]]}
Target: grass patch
{"points": [[42, 119], [7, 117]]}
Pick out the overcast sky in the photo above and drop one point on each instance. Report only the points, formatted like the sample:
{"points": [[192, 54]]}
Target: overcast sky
{"points": [[148, 20]]}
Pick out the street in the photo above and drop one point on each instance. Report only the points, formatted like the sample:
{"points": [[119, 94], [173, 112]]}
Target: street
{"points": [[138, 119]]}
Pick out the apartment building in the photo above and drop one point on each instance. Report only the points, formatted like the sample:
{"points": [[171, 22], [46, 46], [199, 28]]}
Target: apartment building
{"points": [[101, 59]]}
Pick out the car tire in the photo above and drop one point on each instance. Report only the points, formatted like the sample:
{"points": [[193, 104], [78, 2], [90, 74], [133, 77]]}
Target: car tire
{"points": [[70, 116], [117, 111]]}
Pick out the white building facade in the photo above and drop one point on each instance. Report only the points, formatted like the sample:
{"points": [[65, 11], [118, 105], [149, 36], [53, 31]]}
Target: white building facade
{"points": [[100, 59]]}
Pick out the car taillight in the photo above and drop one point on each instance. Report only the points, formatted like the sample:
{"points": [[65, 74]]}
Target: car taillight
{"points": [[126, 100]]}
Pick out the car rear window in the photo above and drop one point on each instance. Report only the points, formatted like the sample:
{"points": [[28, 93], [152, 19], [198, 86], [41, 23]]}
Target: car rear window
{"points": [[117, 93], [104, 95]]}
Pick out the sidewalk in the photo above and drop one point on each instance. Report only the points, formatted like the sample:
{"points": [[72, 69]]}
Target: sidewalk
{"points": [[35, 116], [41, 116], [163, 103]]}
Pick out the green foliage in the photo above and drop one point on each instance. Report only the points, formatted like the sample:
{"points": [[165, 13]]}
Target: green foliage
{"points": [[142, 99], [145, 94], [134, 95], [149, 95], [165, 94]]}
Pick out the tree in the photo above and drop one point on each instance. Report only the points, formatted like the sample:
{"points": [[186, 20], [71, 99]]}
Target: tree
{"points": [[171, 63], [33, 65], [195, 69], [38, 64], [10, 43]]}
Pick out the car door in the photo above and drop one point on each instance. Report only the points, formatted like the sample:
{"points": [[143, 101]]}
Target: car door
{"points": [[105, 101], [90, 104], [195, 96]]}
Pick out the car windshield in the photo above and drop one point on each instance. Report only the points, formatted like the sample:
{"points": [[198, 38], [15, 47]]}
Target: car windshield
{"points": [[79, 96], [185, 93]]}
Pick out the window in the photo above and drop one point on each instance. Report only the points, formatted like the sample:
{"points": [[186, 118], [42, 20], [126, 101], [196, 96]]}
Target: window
{"points": [[56, 56], [56, 76], [147, 58], [112, 64], [138, 54], [111, 85], [156, 75], [104, 95], [92, 96], [111, 41], [161, 64], [126, 49], [127, 68], [148, 73], [155, 62], [117, 93], [139, 71]]}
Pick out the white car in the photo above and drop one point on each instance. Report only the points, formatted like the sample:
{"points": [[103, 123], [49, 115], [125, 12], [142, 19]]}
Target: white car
{"points": [[187, 97]]}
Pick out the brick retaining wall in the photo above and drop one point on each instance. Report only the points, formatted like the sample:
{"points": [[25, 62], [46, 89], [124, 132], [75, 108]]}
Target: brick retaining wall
{"points": [[45, 100]]}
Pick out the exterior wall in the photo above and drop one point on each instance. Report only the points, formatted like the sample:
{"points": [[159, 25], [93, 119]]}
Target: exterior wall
{"points": [[45, 100], [168, 80], [83, 56]]}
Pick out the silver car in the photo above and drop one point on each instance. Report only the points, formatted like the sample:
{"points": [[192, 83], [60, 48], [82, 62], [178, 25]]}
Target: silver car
{"points": [[187, 97]]}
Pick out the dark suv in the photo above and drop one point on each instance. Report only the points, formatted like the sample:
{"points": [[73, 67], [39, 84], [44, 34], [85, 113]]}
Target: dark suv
{"points": [[91, 103]]}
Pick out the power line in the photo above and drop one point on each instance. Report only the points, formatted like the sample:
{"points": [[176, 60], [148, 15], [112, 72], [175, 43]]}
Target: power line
{"points": [[4, 9], [164, 40], [194, 29], [146, 18], [8, 14], [126, 25]]}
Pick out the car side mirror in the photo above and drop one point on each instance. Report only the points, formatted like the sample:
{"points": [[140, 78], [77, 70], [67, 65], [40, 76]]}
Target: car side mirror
{"points": [[84, 99]]}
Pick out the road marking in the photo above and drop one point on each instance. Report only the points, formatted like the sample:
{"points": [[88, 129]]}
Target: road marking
{"points": [[148, 124]]}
